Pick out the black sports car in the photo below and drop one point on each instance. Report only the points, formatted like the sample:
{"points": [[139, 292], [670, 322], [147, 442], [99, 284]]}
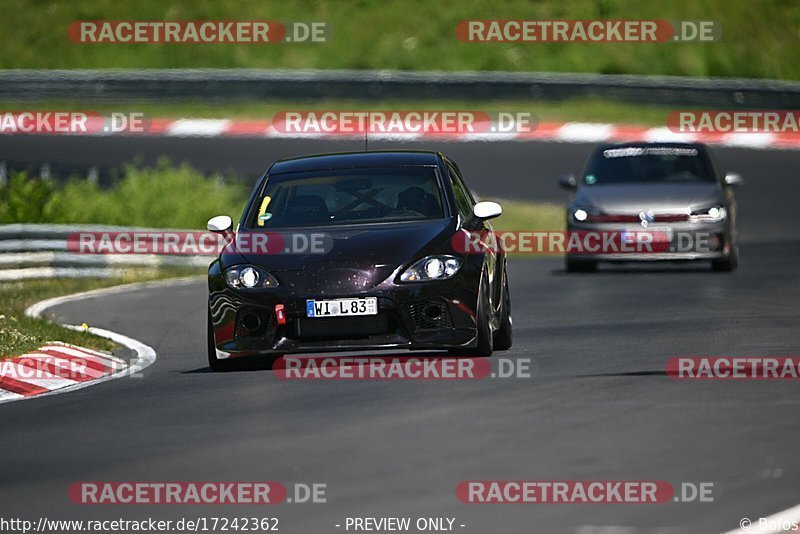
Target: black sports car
{"points": [[390, 277]]}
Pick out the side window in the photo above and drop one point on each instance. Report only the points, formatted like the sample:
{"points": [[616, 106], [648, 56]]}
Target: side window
{"points": [[463, 197], [460, 179]]}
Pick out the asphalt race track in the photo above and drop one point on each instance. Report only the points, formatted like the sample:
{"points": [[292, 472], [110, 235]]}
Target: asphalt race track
{"points": [[598, 404]]}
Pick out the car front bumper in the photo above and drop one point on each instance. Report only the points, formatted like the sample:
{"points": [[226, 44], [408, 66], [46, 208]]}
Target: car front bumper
{"points": [[422, 316], [686, 241]]}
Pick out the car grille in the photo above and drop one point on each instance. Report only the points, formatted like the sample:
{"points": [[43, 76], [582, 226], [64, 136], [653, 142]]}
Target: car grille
{"points": [[431, 315], [342, 327], [634, 218]]}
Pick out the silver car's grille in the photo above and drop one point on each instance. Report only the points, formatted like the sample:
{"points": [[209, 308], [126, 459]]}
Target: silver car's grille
{"points": [[616, 218]]}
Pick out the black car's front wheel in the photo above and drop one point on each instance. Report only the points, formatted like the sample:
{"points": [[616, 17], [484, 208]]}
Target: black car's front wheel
{"points": [[485, 344], [503, 338]]}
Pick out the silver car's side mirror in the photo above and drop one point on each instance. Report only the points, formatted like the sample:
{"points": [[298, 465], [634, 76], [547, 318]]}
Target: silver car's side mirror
{"points": [[568, 181], [220, 223], [733, 178]]}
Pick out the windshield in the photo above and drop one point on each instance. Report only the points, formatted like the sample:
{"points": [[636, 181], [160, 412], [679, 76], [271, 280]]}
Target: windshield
{"points": [[648, 165], [348, 196]]}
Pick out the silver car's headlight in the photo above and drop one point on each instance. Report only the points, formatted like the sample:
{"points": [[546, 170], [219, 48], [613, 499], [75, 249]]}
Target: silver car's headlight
{"points": [[716, 213], [580, 214], [247, 276], [432, 268]]}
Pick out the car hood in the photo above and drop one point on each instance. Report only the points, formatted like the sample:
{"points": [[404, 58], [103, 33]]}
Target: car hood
{"points": [[358, 258], [622, 198]]}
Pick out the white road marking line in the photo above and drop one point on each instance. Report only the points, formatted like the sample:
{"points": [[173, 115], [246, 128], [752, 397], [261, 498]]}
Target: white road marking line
{"points": [[37, 310]]}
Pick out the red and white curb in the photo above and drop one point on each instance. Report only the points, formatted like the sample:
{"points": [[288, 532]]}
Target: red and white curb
{"points": [[100, 367], [52, 367], [565, 132]]}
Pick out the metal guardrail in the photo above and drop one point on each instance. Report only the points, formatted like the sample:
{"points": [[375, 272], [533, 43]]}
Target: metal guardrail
{"points": [[29, 251], [255, 84]]}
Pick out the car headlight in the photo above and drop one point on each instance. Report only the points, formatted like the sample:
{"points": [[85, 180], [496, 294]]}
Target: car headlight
{"points": [[581, 214], [432, 268], [712, 214], [247, 276]]}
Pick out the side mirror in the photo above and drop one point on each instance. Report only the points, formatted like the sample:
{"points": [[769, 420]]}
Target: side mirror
{"points": [[568, 182], [220, 223], [733, 178], [486, 210]]}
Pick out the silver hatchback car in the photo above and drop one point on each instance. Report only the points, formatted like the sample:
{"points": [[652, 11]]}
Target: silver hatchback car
{"points": [[670, 196]]}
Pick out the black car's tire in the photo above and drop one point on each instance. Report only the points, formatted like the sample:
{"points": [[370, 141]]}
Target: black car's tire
{"points": [[504, 337], [579, 266], [727, 264], [485, 344], [213, 362]]}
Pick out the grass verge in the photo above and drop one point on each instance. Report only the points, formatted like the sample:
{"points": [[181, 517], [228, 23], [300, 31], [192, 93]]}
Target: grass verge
{"points": [[757, 38], [529, 216]]}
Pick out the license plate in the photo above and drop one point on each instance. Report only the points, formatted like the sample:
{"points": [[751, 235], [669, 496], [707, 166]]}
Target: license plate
{"points": [[342, 307], [656, 235]]}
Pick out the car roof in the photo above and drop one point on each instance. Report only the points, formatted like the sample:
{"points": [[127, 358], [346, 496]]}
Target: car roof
{"points": [[344, 160]]}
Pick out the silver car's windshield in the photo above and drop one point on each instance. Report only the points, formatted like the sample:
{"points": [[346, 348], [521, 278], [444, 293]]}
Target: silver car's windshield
{"points": [[648, 165]]}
